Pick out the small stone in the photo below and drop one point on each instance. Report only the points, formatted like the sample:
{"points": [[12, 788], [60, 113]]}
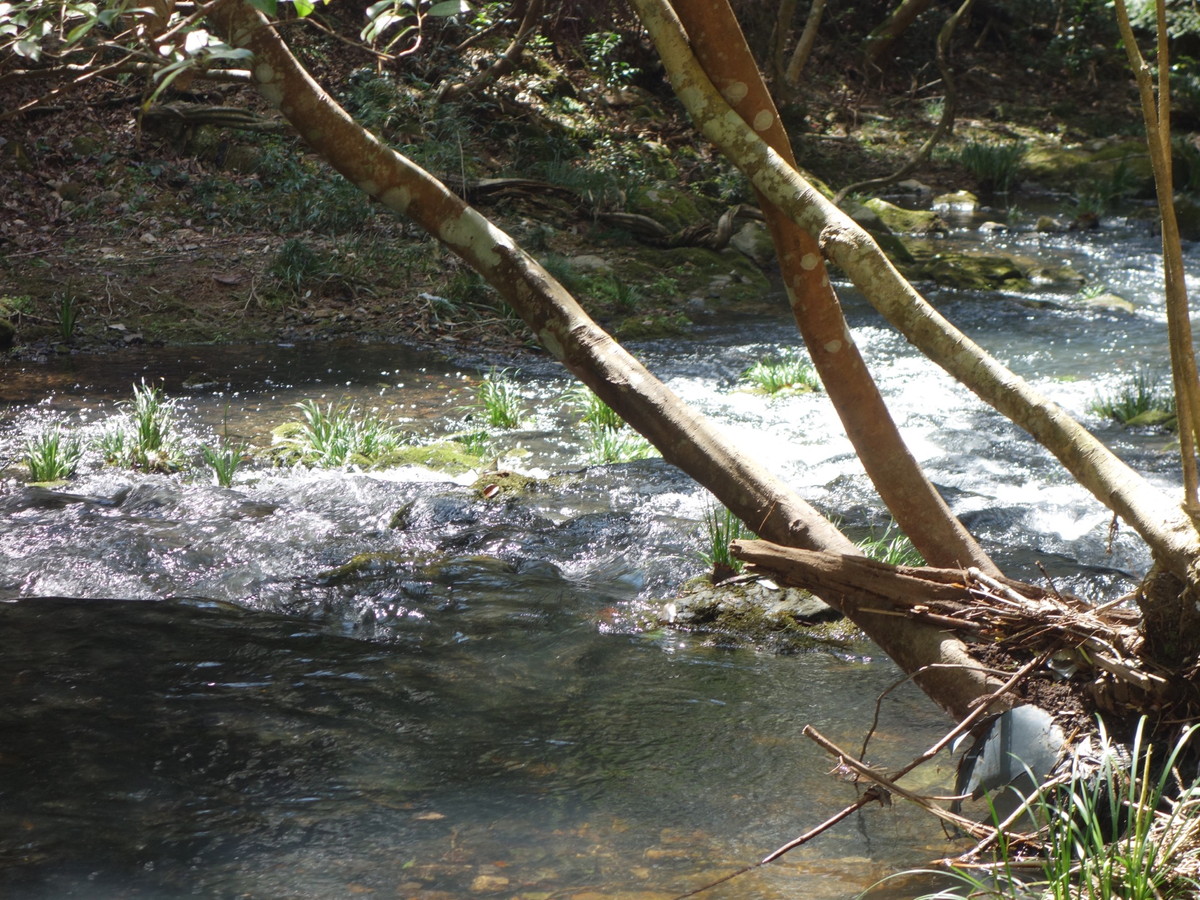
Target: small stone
{"points": [[486, 884]]}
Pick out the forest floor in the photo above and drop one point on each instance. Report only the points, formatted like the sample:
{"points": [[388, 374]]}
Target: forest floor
{"points": [[121, 229]]}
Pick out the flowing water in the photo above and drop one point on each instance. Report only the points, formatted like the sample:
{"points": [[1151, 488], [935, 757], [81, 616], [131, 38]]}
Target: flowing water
{"points": [[317, 684]]}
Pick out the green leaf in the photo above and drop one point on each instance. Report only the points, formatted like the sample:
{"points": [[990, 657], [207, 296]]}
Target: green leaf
{"points": [[267, 7], [80, 30], [448, 8], [304, 7]]}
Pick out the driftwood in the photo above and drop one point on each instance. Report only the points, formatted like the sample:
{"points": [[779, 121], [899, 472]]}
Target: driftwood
{"points": [[1094, 649]]}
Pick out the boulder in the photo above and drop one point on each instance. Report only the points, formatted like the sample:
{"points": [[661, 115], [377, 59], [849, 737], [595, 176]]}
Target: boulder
{"points": [[959, 203], [754, 240], [906, 221]]}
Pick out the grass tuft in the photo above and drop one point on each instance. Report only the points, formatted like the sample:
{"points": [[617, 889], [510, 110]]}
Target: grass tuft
{"points": [[790, 372], [146, 438], [1146, 395], [51, 456], [340, 435], [994, 166], [498, 399], [224, 460], [892, 546], [1127, 828], [721, 528]]}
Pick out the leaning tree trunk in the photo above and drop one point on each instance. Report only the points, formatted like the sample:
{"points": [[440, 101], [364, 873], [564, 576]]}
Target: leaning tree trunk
{"points": [[686, 439], [918, 508], [1160, 521]]}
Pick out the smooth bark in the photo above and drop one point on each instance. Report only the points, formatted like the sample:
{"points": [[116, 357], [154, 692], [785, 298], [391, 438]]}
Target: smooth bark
{"points": [[1160, 521], [804, 46], [716, 40], [684, 437], [1157, 118]]}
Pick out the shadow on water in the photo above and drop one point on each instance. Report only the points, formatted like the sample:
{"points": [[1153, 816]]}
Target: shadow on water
{"points": [[164, 749]]}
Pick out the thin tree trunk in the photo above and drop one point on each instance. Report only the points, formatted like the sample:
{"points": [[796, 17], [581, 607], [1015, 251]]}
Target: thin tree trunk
{"points": [[916, 505], [804, 46], [783, 27], [880, 40], [1160, 521], [949, 109], [1157, 118], [685, 438], [508, 59]]}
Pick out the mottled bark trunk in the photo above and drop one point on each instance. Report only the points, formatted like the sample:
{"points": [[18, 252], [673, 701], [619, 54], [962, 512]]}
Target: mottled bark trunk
{"points": [[1160, 521], [717, 43], [684, 437]]}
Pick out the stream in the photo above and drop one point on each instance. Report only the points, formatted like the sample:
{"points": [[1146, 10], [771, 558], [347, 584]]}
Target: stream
{"points": [[319, 683]]}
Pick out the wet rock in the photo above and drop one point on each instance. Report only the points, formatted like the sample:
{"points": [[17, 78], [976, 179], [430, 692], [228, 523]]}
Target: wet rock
{"points": [[906, 221], [959, 203], [42, 497], [492, 485], [487, 884], [1153, 418], [431, 513], [749, 610], [912, 186], [443, 456], [865, 217], [1051, 225], [362, 565], [1108, 301], [972, 271]]}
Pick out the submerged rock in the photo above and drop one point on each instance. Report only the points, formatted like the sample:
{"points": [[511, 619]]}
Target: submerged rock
{"points": [[751, 611]]}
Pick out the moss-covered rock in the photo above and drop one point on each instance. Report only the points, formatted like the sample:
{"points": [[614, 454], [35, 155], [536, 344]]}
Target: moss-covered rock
{"points": [[753, 612], [450, 457], [1154, 418], [1055, 164], [970, 271], [1108, 301], [906, 221], [361, 565], [673, 207], [958, 203], [754, 241], [648, 326], [494, 485], [727, 276]]}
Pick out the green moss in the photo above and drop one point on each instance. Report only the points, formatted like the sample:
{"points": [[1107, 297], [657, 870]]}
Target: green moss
{"points": [[360, 566], [906, 221], [970, 271], [444, 456], [493, 485], [653, 325], [674, 208], [1054, 164]]}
